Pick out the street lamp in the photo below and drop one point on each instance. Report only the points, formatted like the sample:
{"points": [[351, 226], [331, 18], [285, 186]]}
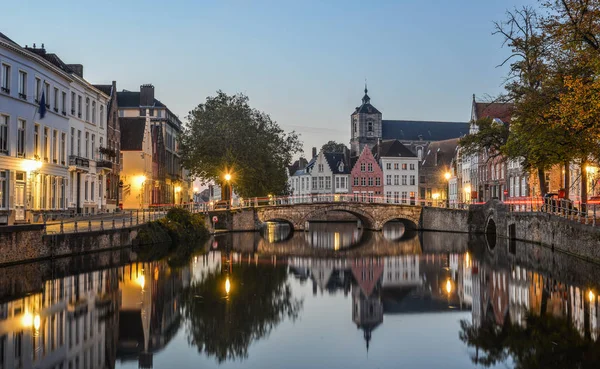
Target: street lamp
{"points": [[228, 181], [447, 175]]}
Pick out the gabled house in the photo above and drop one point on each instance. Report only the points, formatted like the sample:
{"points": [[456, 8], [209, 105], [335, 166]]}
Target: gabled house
{"points": [[366, 178], [400, 167], [330, 174]]}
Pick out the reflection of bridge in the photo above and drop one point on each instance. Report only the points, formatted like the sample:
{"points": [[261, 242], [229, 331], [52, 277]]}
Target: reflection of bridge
{"points": [[371, 215]]}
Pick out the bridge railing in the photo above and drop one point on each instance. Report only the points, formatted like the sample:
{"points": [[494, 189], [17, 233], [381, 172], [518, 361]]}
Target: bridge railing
{"points": [[585, 213]]}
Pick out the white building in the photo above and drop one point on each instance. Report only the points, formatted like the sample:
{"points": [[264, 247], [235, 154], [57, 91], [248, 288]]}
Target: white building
{"points": [[33, 164], [330, 174], [300, 180], [400, 172], [401, 271]]}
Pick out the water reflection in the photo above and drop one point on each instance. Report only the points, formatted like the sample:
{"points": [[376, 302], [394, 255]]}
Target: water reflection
{"points": [[529, 309]]}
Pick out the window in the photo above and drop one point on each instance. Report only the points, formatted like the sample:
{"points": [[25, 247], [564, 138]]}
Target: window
{"points": [[93, 147], [320, 183], [397, 179], [388, 166], [404, 166], [72, 141], [38, 89], [46, 144], [92, 191], [314, 183], [86, 189], [79, 106], [404, 197], [343, 182], [87, 145], [93, 112], [3, 189], [412, 180], [21, 138], [356, 196], [64, 103], [55, 147], [36, 141], [412, 166], [388, 196], [369, 126], [56, 99], [78, 143], [72, 103], [53, 182], [101, 116], [396, 166], [388, 179], [87, 109], [370, 181], [363, 181], [370, 167], [328, 182], [337, 182], [362, 167], [320, 168], [356, 181], [377, 181], [396, 197], [47, 94], [5, 78], [63, 147], [22, 84]]}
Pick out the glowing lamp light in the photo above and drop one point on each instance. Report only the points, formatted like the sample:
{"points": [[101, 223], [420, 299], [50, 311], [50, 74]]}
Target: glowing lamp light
{"points": [[228, 177], [141, 280], [448, 286], [195, 189], [591, 169], [227, 286], [435, 196], [36, 322], [140, 179], [447, 175], [27, 320], [468, 189], [31, 165], [178, 189]]}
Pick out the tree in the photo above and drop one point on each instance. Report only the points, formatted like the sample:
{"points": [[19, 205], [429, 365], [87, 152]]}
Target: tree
{"points": [[333, 146], [225, 135], [491, 137]]}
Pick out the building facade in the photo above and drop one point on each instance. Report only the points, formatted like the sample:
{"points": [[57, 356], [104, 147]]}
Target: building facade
{"points": [[330, 174], [400, 172], [366, 178]]}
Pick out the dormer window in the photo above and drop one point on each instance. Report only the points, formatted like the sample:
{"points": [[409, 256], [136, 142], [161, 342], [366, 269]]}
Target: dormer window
{"points": [[320, 167], [369, 126], [341, 167]]}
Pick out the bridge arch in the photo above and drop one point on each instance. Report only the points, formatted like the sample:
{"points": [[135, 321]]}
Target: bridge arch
{"points": [[365, 218]]}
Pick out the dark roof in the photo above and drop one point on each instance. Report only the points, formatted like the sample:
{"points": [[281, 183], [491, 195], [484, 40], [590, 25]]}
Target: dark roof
{"points": [[104, 88], [411, 130], [367, 108], [292, 169], [502, 111], [334, 159], [132, 133], [131, 99], [440, 153], [391, 148]]}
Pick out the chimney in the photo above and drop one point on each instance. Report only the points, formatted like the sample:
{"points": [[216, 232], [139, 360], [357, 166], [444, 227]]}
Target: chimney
{"points": [[301, 163], [76, 68], [147, 95], [314, 152]]}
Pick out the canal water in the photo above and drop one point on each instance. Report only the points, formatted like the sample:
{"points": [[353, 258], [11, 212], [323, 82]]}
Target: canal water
{"points": [[332, 297]]}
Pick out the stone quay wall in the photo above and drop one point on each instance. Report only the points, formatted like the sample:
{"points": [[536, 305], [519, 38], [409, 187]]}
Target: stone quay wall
{"points": [[28, 243]]}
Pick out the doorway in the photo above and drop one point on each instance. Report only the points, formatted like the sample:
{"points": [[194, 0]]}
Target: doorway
{"points": [[20, 197]]}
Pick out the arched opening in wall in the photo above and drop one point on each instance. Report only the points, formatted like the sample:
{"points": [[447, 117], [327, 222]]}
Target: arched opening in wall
{"points": [[490, 233], [333, 216], [277, 230], [399, 229]]}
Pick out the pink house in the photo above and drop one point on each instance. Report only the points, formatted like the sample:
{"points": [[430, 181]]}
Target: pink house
{"points": [[366, 178]]}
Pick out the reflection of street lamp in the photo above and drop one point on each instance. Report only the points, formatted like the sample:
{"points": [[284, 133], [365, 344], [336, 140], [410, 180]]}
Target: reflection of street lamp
{"points": [[591, 296], [448, 286], [467, 190], [447, 175], [227, 286]]}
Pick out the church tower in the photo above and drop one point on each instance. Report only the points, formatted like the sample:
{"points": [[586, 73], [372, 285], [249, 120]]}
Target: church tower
{"points": [[365, 126]]}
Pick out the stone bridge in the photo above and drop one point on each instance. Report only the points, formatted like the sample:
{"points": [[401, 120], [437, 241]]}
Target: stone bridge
{"points": [[372, 216]]}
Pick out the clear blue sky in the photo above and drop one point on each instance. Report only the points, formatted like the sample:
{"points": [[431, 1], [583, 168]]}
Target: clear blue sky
{"points": [[303, 62]]}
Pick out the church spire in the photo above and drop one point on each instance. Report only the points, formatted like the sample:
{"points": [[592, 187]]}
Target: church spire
{"points": [[366, 99]]}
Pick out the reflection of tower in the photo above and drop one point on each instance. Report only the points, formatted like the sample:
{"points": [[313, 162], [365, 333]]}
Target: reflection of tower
{"points": [[367, 311]]}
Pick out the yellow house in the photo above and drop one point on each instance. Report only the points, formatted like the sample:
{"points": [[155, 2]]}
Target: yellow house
{"points": [[136, 174]]}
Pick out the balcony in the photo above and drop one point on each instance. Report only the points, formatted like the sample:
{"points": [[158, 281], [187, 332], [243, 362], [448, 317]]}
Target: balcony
{"points": [[78, 164], [104, 165]]}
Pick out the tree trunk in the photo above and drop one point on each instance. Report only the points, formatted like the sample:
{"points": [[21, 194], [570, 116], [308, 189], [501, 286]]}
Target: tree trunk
{"points": [[567, 180], [542, 180], [584, 180]]}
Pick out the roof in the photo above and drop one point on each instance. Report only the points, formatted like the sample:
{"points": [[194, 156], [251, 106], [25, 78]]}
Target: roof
{"points": [[132, 133], [295, 167], [502, 111], [366, 107], [104, 88], [440, 153], [334, 159], [391, 148], [414, 130], [5, 38], [131, 99]]}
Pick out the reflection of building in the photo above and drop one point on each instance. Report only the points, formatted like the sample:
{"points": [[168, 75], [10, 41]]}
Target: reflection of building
{"points": [[367, 308], [333, 236], [204, 265]]}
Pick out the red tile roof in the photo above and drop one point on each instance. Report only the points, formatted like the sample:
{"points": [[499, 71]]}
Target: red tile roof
{"points": [[502, 111]]}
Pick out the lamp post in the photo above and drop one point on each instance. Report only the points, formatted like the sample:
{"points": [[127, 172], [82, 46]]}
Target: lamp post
{"points": [[447, 175], [228, 181]]}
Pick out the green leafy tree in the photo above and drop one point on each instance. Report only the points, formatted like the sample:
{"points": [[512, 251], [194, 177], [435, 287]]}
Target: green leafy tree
{"points": [[333, 146], [225, 135]]}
